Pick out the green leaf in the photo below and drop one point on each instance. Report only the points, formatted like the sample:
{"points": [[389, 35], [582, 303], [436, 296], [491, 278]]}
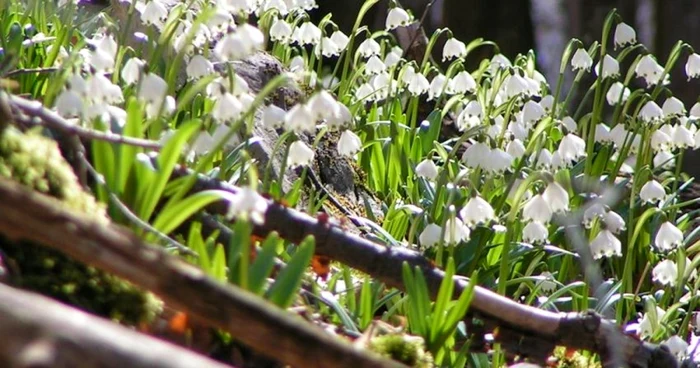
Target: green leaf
{"points": [[443, 298], [196, 243], [286, 287], [366, 305], [126, 153], [173, 216], [218, 264], [264, 263]]}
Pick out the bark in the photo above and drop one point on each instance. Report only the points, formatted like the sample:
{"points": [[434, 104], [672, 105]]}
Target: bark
{"points": [[36, 331], [267, 329]]}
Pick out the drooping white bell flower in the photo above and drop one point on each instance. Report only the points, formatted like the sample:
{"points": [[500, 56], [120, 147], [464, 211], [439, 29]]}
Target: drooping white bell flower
{"points": [[437, 86], [307, 34], [668, 237], [365, 92], [614, 222], [594, 211], [227, 108], [665, 273], [664, 160], [617, 93], [299, 154], [546, 282], [651, 112], [470, 116], [247, 203], [300, 119], [69, 104], [397, 17], [463, 82], [223, 130], [453, 48], [557, 197], [572, 148], [156, 108], [532, 112], [199, 67], [581, 60], [203, 143], [498, 162], [544, 159], [327, 48], [342, 117], [154, 13], [677, 346], [476, 155], [322, 105], [618, 134], [349, 144], [537, 209], [624, 35], [340, 39], [476, 212], [418, 84], [273, 116], [651, 321], [281, 31], [131, 71], [692, 66], [605, 244], [535, 233], [455, 231], [430, 235], [515, 86], [374, 65], [499, 62], [547, 102], [650, 70], [610, 67], [427, 169], [682, 137], [673, 108], [602, 134], [516, 148], [368, 48], [660, 141]]}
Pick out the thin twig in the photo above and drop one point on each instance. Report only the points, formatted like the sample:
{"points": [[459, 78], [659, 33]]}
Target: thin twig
{"points": [[53, 120], [17, 72]]}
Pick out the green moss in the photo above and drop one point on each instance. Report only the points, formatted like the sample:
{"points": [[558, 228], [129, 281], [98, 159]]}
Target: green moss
{"points": [[408, 350], [36, 162]]}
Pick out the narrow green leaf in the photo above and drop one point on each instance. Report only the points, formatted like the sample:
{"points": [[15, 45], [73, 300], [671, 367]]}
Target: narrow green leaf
{"points": [[173, 216], [126, 154], [218, 264], [286, 287], [264, 263]]}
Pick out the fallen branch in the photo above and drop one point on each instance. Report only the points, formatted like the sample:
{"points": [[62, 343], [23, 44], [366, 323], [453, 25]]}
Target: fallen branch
{"points": [[253, 321], [36, 331], [529, 331]]}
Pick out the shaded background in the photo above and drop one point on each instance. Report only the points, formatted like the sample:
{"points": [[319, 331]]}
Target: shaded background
{"points": [[546, 26]]}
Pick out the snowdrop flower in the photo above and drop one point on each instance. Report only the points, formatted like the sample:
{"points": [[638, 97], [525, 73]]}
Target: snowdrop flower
{"points": [[537, 209], [101, 89], [594, 211], [665, 273], [515, 85], [280, 31], [470, 116], [660, 141], [69, 104], [498, 162], [418, 84], [430, 235], [223, 130], [199, 67], [247, 203], [602, 134], [365, 92], [461, 83], [650, 322], [397, 17], [203, 143], [532, 112], [340, 118], [617, 93], [618, 135], [692, 66], [673, 108], [153, 88], [455, 231], [546, 282], [340, 39], [300, 119], [437, 86], [232, 47], [547, 102], [516, 148], [322, 105], [557, 197], [227, 108], [535, 233], [581, 60], [131, 72], [614, 222], [349, 144], [664, 160], [569, 123], [154, 13], [610, 67], [368, 48], [605, 244], [476, 155], [155, 108], [374, 65], [651, 112], [518, 129], [682, 137], [273, 116], [307, 34], [544, 159], [477, 211], [299, 154], [677, 346], [427, 169], [453, 48], [624, 35], [327, 48], [668, 237], [498, 62], [571, 148], [393, 57], [649, 69]]}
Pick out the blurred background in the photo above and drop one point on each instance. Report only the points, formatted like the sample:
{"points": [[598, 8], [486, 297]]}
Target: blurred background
{"points": [[546, 27]]}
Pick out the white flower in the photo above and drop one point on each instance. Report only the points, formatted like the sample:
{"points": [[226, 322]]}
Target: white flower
{"points": [[569, 123], [581, 60], [418, 84], [300, 119], [365, 92], [368, 48], [535, 233], [69, 104], [199, 67], [322, 105], [273, 116], [341, 117], [651, 112], [253, 37], [537, 209], [461, 83], [203, 143], [682, 137], [610, 67], [470, 115], [664, 160], [649, 69], [374, 65], [455, 231], [665, 273], [692, 66], [299, 154], [557, 197], [602, 133], [532, 112], [515, 85], [572, 148], [453, 48], [624, 35], [546, 282], [617, 93], [340, 39], [544, 159], [349, 144], [651, 321], [614, 222], [437, 85], [280, 31], [498, 62], [516, 148], [498, 161], [430, 235], [673, 107], [131, 72], [307, 34], [668, 237], [477, 211], [427, 169], [327, 48], [155, 108], [660, 141], [247, 203], [227, 108], [223, 130], [677, 346], [594, 211], [397, 17], [154, 13], [605, 244], [476, 155]]}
